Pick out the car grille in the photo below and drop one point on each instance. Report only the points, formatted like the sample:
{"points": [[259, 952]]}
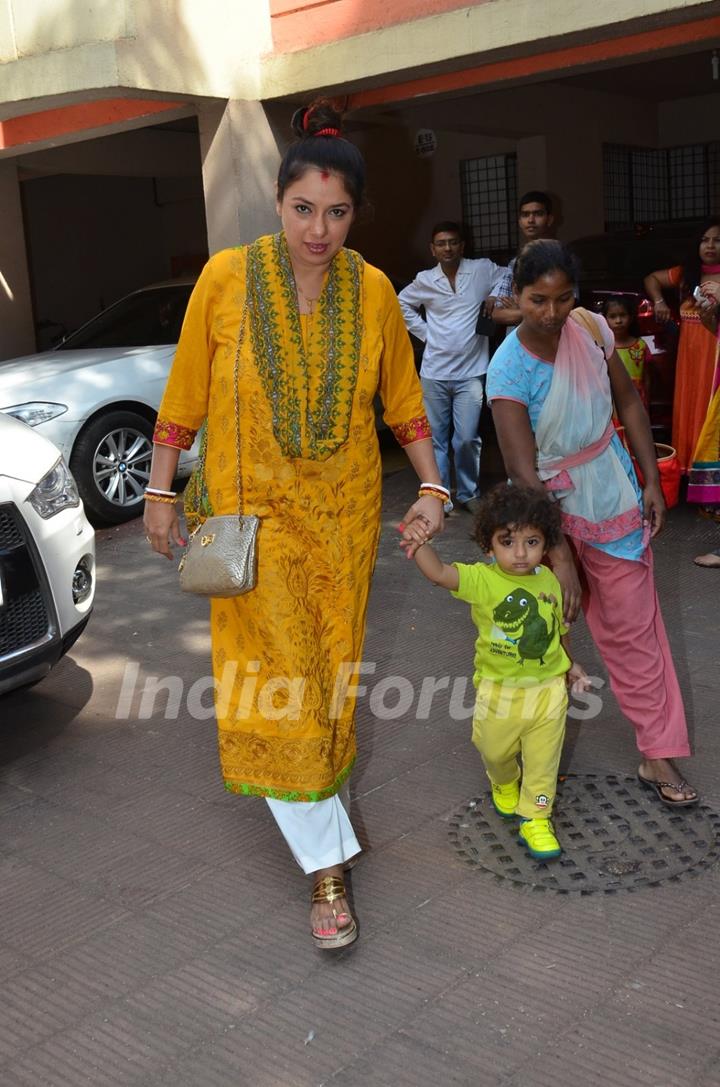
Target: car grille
{"points": [[10, 535], [23, 622], [26, 615]]}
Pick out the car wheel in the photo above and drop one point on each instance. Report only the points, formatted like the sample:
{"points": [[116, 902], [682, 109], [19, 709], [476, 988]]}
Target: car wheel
{"points": [[111, 466]]}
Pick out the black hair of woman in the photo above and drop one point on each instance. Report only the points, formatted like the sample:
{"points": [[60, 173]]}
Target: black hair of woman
{"points": [[320, 145], [692, 268], [507, 506], [539, 258]]}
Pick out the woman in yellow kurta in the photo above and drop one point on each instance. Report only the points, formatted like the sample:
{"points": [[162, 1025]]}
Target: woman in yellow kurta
{"points": [[320, 332]]}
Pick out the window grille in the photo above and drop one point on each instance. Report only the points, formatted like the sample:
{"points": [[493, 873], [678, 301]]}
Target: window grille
{"points": [[649, 185], [651, 197], [688, 182], [617, 184], [489, 202], [713, 178]]}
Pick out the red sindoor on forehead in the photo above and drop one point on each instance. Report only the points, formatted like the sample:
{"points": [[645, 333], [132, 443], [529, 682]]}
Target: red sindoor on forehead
{"points": [[325, 175]]}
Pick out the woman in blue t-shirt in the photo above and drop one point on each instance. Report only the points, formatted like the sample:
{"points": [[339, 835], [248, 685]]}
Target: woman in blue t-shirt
{"points": [[552, 384]]}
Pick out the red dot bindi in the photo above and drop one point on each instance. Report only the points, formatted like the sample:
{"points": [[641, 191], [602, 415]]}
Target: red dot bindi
{"points": [[324, 175]]}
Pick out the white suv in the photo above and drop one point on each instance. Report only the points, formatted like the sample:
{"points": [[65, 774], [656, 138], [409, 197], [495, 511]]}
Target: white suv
{"points": [[47, 556], [96, 396]]}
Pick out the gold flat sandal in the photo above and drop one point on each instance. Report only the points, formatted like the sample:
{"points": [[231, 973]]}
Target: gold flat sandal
{"points": [[328, 889]]}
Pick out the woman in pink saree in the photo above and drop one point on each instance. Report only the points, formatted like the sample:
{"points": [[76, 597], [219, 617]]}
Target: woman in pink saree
{"points": [[552, 384]]}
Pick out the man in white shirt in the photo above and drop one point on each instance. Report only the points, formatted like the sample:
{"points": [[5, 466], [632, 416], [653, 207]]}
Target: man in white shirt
{"points": [[456, 358]]}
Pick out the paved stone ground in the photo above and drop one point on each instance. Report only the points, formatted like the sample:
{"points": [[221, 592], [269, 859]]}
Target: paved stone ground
{"points": [[154, 931]]}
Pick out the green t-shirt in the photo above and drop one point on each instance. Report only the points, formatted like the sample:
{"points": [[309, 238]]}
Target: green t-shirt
{"points": [[518, 633]]}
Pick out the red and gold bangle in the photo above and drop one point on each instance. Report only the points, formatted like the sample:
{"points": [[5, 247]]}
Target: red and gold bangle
{"points": [[436, 487], [427, 491]]}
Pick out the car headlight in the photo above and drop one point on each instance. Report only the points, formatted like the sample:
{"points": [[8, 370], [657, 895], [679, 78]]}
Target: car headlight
{"points": [[35, 413], [55, 491]]}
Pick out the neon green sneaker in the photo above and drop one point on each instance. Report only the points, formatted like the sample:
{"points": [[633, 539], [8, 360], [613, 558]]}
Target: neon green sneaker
{"points": [[539, 837], [505, 798]]}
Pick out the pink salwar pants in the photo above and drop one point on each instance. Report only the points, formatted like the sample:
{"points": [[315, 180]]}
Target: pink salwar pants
{"points": [[623, 613]]}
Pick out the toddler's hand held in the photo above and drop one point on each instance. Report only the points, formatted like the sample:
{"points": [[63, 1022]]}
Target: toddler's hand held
{"points": [[578, 680], [415, 533]]}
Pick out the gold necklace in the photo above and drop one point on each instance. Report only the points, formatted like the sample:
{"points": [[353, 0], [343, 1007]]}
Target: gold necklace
{"points": [[310, 301]]}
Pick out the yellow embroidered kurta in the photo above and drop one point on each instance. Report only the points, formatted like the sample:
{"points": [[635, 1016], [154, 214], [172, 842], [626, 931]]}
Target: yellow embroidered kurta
{"points": [[282, 654]]}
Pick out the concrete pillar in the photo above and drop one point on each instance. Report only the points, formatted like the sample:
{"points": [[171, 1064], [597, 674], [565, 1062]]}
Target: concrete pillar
{"points": [[240, 158], [531, 164], [17, 331], [575, 180], [571, 171]]}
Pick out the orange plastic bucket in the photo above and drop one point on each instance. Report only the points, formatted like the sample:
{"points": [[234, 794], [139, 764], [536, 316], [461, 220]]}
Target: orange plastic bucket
{"points": [[668, 467]]}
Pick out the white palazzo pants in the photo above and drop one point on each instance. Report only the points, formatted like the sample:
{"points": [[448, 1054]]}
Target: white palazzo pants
{"points": [[319, 833]]}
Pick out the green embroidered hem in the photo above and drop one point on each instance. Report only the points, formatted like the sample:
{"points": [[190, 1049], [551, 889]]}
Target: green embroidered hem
{"points": [[244, 788]]}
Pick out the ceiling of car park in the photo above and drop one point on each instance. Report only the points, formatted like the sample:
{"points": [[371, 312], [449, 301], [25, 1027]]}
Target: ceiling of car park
{"points": [[655, 80], [167, 150], [478, 108]]}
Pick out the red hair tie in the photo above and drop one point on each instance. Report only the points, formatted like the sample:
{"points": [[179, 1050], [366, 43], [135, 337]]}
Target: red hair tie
{"points": [[306, 118], [328, 132]]}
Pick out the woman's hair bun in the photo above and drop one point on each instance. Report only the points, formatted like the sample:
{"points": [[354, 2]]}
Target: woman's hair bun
{"points": [[317, 149], [320, 114]]}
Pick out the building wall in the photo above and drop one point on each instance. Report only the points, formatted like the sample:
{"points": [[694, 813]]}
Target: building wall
{"points": [[16, 320], [131, 229], [55, 49], [409, 193], [487, 42], [302, 24], [689, 120], [73, 49], [396, 63]]}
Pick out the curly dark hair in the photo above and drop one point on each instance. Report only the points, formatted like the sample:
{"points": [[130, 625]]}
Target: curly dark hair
{"points": [[507, 506]]}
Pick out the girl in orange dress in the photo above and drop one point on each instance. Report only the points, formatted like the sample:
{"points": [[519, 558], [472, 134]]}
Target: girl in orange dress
{"points": [[697, 349]]}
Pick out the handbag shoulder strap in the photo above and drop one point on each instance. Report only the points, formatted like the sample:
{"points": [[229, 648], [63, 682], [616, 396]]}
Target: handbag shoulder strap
{"points": [[204, 437], [587, 320], [236, 385]]}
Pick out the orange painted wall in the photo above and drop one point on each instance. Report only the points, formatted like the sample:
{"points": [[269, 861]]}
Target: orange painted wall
{"points": [[300, 24], [628, 46], [51, 123]]}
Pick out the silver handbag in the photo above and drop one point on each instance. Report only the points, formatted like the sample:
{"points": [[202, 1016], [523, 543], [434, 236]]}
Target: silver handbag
{"points": [[221, 555]]}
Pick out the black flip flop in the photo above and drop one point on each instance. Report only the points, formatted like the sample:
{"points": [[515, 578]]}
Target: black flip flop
{"points": [[658, 786]]}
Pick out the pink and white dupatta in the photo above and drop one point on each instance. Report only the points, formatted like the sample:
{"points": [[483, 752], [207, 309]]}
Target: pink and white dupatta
{"points": [[576, 459]]}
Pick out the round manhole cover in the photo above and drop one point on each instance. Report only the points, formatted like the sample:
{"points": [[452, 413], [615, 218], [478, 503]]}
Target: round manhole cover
{"points": [[616, 836]]}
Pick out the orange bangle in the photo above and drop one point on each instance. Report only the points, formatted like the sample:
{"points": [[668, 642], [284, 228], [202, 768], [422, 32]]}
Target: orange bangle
{"points": [[159, 498]]}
